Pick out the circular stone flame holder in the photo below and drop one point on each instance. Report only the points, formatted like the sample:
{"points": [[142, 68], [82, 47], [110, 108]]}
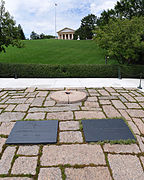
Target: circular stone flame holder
{"points": [[68, 97]]}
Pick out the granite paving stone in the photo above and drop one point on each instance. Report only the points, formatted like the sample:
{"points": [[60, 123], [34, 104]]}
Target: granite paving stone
{"points": [[110, 89], [49, 103], [139, 124], [88, 173], [5, 162], [50, 174], [88, 108], [17, 178], [38, 101], [31, 95], [2, 142], [123, 99], [6, 128], [133, 127], [121, 148], [141, 144], [30, 89], [16, 101], [128, 97], [140, 98], [25, 165], [10, 107], [80, 154], [2, 106], [28, 150], [11, 116], [60, 115], [22, 107], [118, 104], [42, 93], [91, 104], [135, 113], [69, 125], [142, 160], [70, 137], [29, 101], [103, 102], [89, 114], [103, 92], [125, 167], [110, 111], [107, 97], [91, 99], [125, 114], [133, 105], [36, 116]]}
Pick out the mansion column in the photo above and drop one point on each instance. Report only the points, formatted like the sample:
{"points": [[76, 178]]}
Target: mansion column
{"points": [[72, 36], [69, 36]]}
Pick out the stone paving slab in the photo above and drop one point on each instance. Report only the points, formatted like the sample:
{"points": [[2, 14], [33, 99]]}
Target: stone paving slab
{"points": [[89, 115], [50, 174], [5, 162], [88, 173], [121, 148], [70, 137], [11, 116], [69, 125], [25, 165], [6, 128], [125, 167], [2, 142], [28, 150], [72, 154]]}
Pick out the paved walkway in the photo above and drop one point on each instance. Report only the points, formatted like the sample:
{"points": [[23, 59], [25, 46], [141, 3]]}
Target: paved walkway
{"points": [[69, 82], [72, 158]]}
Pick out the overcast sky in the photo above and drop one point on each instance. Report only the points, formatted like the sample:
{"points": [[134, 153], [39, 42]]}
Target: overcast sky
{"points": [[39, 15]]}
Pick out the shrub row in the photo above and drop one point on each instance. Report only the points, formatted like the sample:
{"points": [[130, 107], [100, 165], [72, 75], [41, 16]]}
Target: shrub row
{"points": [[69, 71]]}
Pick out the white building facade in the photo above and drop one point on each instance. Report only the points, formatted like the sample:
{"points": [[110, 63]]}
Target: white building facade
{"points": [[66, 34]]}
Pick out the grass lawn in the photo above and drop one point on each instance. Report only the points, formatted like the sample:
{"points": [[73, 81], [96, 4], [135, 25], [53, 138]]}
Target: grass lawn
{"points": [[56, 52]]}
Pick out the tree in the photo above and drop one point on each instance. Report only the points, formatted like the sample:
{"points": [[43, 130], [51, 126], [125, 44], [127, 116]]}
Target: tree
{"points": [[123, 9], [123, 39], [87, 26], [34, 35], [9, 34], [22, 36], [129, 8]]}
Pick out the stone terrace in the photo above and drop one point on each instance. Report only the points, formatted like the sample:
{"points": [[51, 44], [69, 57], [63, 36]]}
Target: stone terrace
{"points": [[72, 158]]}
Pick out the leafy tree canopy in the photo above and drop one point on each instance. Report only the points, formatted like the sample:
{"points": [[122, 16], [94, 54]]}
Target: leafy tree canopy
{"points": [[87, 26], [123, 9], [9, 34], [123, 39]]}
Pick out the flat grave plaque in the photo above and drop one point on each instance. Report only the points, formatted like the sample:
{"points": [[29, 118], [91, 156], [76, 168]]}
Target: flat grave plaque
{"points": [[106, 129], [33, 132]]}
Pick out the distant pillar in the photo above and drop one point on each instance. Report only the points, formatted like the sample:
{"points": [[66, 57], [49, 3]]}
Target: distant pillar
{"points": [[69, 36], [72, 36]]}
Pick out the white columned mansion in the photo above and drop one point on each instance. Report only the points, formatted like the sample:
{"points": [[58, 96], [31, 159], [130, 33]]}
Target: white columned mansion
{"points": [[66, 33]]}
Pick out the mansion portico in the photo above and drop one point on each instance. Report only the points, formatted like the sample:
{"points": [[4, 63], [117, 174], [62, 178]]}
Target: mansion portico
{"points": [[66, 33]]}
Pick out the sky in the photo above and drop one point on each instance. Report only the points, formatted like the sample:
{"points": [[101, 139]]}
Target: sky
{"points": [[39, 15]]}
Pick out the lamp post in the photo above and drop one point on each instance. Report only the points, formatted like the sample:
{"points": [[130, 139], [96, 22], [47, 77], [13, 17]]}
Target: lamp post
{"points": [[55, 19]]}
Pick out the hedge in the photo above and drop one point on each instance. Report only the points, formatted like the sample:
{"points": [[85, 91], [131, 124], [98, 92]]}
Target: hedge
{"points": [[69, 71]]}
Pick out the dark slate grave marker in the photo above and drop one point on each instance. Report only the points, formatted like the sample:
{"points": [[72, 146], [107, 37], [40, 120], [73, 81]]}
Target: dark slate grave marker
{"points": [[106, 129], [33, 132]]}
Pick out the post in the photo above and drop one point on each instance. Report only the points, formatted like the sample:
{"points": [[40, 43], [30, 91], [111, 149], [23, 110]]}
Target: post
{"points": [[119, 73], [140, 87]]}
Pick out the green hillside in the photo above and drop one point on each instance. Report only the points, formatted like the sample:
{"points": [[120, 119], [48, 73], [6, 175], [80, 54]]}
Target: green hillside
{"points": [[55, 52]]}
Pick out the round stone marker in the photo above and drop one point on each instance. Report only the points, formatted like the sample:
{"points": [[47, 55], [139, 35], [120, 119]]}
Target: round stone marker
{"points": [[68, 97]]}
